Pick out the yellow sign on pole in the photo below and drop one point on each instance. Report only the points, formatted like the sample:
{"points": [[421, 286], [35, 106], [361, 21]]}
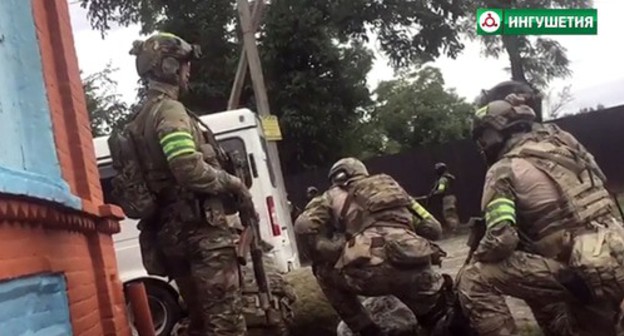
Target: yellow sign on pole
{"points": [[271, 128]]}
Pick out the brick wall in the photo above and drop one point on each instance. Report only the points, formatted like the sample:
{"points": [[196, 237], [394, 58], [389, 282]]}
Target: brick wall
{"points": [[40, 237], [67, 103]]}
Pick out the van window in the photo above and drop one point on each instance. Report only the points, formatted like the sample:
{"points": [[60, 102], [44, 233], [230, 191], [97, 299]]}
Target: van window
{"points": [[268, 161], [236, 144]]}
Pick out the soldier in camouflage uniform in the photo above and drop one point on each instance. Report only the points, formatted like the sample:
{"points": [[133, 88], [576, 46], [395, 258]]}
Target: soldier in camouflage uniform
{"points": [[255, 317], [362, 237], [552, 234], [444, 188], [183, 170]]}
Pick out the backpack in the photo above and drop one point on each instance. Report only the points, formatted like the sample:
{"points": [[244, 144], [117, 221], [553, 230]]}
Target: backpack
{"points": [[130, 189]]}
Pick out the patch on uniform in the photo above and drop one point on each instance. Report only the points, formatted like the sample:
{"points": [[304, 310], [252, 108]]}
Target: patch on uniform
{"points": [[498, 182]]}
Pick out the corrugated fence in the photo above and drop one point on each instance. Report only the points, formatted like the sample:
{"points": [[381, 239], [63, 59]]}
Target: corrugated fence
{"points": [[602, 132]]}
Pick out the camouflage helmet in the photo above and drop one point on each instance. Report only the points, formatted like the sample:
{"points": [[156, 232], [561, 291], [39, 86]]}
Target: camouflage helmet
{"points": [[347, 168], [501, 115], [160, 56], [503, 89], [440, 167]]}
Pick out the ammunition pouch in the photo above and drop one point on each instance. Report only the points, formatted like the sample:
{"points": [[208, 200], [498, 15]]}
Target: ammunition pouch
{"points": [[214, 212], [409, 251]]}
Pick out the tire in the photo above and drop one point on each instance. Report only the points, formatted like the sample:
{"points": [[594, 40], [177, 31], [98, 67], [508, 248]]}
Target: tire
{"points": [[164, 308]]}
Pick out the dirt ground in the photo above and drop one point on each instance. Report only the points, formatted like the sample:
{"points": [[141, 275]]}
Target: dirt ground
{"points": [[315, 317], [457, 251]]}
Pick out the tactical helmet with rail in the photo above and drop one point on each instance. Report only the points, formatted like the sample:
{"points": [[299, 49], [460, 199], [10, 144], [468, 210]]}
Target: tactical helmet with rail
{"points": [[161, 55]]}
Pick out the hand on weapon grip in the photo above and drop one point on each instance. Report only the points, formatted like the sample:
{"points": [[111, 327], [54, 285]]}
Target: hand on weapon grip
{"points": [[244, 198], [438, 255]]}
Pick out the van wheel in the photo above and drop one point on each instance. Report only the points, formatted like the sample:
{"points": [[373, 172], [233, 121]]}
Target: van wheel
{"points": [[164, 307]]}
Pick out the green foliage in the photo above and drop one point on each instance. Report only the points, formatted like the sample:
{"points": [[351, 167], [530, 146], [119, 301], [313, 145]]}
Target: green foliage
{"points": [[533, 60], [315, 86], [408, 31], [416, 110], [106, 109], [313, 55]]}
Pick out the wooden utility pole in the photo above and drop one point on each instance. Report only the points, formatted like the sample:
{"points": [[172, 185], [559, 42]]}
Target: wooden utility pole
{"points": [[251, 57], [241, 70]]}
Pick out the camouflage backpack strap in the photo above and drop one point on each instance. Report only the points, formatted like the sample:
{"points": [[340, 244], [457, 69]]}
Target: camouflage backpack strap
{"points": [[345, 209], [210, 138], [154, 163], [146, 123]]}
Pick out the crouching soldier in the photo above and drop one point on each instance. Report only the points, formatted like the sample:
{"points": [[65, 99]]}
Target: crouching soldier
{"points": [[360, 234]]}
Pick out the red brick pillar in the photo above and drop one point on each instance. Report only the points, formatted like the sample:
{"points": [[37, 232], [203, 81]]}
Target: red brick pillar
{"points": [[84, 250]]}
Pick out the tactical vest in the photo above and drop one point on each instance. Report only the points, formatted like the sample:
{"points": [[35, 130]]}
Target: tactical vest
{"points": [[583, 195], [376, 200], [144, 180]]}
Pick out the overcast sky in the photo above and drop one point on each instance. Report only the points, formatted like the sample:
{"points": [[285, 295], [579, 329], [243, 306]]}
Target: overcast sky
{"points": [[596, 61]]}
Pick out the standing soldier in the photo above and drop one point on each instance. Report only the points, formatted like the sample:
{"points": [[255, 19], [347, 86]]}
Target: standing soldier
{"points": [[363, 240], [444, 188], [551, 236], [182, 197]]}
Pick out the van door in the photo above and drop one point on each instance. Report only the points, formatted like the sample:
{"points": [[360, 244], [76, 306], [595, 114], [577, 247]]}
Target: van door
{"points": [[273, 227]]}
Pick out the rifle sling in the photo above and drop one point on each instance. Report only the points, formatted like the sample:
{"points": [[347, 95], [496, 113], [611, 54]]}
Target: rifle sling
{"points": [[345, 208], [209, 136]]}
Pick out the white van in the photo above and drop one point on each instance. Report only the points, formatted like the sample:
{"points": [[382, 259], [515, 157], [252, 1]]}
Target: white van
{"points": [[238, 130]]}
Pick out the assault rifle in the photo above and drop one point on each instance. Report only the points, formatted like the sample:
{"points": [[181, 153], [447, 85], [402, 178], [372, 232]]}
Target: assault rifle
{"points": [[251, 243], [423, 199]]}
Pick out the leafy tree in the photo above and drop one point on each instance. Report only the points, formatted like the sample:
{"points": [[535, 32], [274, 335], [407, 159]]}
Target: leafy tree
{"points": [[532, 60], [313, 55], [408, 30], [416, 110], [316, 87], [563, 98], [106, 109]]}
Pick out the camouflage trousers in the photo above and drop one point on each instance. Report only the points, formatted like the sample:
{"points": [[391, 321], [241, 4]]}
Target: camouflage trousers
{"points": [[419, 289], [587, 304], [202, 260], [255, 318], [449, 212]]}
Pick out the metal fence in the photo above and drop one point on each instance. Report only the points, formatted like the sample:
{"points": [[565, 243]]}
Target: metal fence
{"points": [[602, 132]]}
